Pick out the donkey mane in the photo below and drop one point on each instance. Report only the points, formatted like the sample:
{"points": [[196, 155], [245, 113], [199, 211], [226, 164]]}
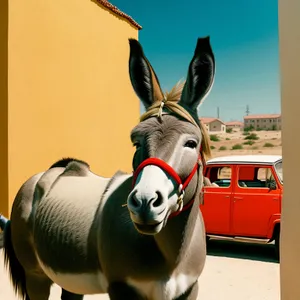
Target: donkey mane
{"points": [[171, 98], [63, 163], [175, 93]]}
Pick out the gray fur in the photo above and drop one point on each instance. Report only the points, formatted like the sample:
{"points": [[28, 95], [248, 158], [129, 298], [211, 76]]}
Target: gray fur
{"points": [[157, 139], [69, 224]]}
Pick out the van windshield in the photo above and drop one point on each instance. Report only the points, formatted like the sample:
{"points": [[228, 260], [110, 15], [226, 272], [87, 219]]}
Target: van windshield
{"points": [[278, 168]]}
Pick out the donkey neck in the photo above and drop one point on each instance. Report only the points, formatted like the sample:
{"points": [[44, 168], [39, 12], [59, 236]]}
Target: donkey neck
{"points": [[175, 238]]}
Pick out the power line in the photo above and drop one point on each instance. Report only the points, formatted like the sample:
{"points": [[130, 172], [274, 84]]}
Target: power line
{"points": [[247, 110]]}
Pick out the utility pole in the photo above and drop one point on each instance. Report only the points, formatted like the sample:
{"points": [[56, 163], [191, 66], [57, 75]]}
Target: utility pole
{"points": [[218, 112], [247, 110]]}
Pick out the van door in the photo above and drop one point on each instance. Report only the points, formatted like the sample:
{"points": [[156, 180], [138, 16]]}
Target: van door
{"points": [[254, 203], [216, 209]]}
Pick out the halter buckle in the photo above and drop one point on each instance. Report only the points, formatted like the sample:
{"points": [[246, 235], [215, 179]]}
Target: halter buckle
{"points": [[160, 109], [180, 200]]}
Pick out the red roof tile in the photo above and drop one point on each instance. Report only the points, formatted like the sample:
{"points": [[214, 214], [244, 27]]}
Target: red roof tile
{"points": [[267, 116], [209, 120], [232, 123], [118, 12]]}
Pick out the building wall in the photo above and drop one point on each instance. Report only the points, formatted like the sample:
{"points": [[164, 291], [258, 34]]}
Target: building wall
{"points": [[216, 126], [234, 126], [69, 88], [264, 123], [289, 37]]}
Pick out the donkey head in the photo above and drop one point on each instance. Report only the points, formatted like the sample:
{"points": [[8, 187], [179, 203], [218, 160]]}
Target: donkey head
{"points": [[169, 140]]}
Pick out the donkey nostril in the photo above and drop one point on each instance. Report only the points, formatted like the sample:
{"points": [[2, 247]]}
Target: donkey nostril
{"points": [[158, 201], [134, 202]]}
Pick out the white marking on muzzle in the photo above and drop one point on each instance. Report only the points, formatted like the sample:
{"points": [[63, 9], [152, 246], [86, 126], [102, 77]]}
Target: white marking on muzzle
{"points": [[153, 179], [156, 176]]}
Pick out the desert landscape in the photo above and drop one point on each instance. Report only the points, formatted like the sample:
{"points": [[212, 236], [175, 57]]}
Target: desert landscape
{"points": [[239, 142]]}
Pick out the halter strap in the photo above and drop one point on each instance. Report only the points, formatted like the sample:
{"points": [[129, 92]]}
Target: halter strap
{"points": [[184, 208], [170, 171]]}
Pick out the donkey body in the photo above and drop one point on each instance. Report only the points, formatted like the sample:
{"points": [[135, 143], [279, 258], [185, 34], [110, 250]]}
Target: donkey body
{"points": [[133, 236]]}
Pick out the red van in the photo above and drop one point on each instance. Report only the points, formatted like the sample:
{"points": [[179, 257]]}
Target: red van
{"points": [[243, 202]]}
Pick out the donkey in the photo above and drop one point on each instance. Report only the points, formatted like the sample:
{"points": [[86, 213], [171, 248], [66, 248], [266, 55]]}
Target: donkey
{"points": [[134, 236]]}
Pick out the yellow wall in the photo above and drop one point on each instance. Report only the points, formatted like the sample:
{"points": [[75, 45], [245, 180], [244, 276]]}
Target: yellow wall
{"points": [[289, 36], [3, 107], [69, 87]]}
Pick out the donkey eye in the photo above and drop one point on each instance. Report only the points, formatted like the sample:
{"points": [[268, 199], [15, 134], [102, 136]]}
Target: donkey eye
{"points": [[191, 144]]}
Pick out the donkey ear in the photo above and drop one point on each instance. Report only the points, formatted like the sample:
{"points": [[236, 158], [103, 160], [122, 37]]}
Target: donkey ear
{"points": [[142, 76], [200, 75]]}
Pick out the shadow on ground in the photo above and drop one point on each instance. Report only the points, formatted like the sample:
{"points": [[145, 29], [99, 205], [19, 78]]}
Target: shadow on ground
{"points": [[239, 250]]}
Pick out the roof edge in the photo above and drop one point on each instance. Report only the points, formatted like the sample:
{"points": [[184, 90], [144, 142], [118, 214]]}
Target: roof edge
{"points": [[263, 116], [212, 120], [246, 159], [119, 13]]}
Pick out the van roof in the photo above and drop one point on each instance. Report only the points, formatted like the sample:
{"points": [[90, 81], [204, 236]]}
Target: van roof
{"points": [[245, 159]]}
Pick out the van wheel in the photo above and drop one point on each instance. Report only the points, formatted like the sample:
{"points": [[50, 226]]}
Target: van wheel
{"points": [[277, 245]]}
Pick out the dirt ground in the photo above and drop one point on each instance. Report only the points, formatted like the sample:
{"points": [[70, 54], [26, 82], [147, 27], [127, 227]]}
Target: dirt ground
{"points": [[233, 271], [268, 142]]}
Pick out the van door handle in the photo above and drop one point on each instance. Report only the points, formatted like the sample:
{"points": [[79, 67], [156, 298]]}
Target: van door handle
{"points": [[238, 198], [227, 196]]}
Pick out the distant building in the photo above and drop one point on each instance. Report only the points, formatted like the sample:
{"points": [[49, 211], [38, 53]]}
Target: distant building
{"points": [[234, 124], [213, 124], [263, 122]]}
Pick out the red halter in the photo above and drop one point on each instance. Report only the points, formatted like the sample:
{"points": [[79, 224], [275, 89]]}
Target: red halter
{"points": [[169, 170]]}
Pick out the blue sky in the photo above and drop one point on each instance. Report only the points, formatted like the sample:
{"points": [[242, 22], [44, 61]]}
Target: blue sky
{"points": [[244, 37]]}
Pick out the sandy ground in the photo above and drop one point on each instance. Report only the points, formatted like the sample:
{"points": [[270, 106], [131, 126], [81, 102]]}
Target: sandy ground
{"points": [[227, 140], [233, 271]]}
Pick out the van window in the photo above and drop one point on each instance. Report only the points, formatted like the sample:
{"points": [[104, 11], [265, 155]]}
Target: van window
{"points": [[255, 177], [219, 175]]}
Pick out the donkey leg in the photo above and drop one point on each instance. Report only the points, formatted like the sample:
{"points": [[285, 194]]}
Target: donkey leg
{"points": [[65, 295], [122, 291], [37, 287], [190, 294]]}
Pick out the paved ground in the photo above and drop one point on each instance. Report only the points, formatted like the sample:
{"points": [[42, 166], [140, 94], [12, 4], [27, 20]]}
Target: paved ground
{"points": [[232, 271]]}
